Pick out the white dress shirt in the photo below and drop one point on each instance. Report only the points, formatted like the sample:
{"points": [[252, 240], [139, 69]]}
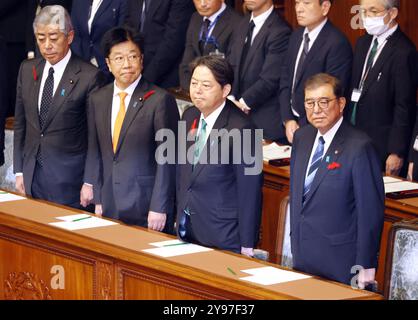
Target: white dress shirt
{"points": [[259, 21], [59, 69], [94, 7], [116, 100], [328, 137], [213, 17], [210, 120], [313, 35]]}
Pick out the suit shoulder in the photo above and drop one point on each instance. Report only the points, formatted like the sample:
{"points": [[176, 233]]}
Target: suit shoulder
{"points": [[190, 113], [335, 34], [232, 15], [237, 118]]}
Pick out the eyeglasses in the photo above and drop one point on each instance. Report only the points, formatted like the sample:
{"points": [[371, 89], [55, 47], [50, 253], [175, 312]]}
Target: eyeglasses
{"points": [[323, 103], [119, 60], [371, 13]]}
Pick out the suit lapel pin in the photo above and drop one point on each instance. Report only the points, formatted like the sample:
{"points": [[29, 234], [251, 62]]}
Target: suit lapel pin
{"points": [[135, 104], [141, 99], [71, 81], [336, 152], [62, 92], [327, 159]]}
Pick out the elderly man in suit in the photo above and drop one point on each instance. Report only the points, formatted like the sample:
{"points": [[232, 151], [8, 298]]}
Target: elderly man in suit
{"points": [[336, 191], [164, 26], [130, 182], [383, 88], [210, 31], [50, 130], [219, 189], [317, 46], [256, 54]]}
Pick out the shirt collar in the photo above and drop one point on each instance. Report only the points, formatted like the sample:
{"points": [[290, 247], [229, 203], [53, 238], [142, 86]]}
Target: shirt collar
{"points": [[129, 90], [211, 119], [60, 64], [384, 36], [330, 134], [262, 17], [315, 32], [217, 13]]}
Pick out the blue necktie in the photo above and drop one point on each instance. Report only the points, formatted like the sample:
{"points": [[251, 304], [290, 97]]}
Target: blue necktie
{"points": [[313, 168]]}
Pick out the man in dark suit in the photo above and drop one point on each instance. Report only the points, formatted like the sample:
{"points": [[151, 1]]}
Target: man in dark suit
{"points": [[336, 191], [314, 48], [164, 25], [383, 88], [13, 17], [209, 32], [50, 133], [219, 186], [130, 181], [257, 52], [91, 20], [413, 153]]}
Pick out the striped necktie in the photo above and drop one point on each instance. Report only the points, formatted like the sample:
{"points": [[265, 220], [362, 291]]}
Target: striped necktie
{"points": [[313, 168]]}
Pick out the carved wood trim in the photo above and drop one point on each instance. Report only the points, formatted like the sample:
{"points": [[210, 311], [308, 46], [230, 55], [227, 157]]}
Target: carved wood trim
{"points": [[25, 286], [51, 249], [104, 281], [159, 280]]}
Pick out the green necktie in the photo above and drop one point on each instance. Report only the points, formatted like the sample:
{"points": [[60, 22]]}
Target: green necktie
{"points": [[199, 142], [369, 66]]}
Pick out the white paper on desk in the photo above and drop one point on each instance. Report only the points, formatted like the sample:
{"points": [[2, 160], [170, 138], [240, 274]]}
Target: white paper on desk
{"points": [[400, 186], [270, 275], [390, 180], [92, 222], [5, 196], [274, 151], [179, 250]]}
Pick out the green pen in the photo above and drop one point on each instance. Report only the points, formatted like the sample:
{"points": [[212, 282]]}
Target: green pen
{"points": [[175, 244], [231, 271], [81, 219]]}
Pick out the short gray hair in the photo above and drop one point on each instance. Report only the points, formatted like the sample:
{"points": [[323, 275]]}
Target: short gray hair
{"points": [[56, 15], [389, 4]]}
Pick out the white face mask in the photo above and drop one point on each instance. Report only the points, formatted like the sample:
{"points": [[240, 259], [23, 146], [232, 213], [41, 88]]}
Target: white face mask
{"points": [[376, 26]]}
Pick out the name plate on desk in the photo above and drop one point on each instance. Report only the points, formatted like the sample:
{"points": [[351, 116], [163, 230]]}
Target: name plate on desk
{"points": [[398, 189]]}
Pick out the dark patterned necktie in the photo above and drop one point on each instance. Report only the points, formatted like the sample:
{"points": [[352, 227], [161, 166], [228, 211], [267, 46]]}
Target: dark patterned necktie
{"points": [[46, 102], [47, 95], [205, 33]]}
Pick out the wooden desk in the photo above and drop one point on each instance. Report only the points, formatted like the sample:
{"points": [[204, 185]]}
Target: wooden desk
{"points": [[107, 263], [276, 187]]}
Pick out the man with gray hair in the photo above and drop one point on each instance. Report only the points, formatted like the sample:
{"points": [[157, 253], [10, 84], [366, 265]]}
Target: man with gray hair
{"points": [[50, 133], [383, 85]]}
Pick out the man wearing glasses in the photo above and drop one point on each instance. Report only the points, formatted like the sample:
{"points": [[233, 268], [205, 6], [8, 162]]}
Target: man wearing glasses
{"points": [[129, 181], [336, 194], [383, 87]]}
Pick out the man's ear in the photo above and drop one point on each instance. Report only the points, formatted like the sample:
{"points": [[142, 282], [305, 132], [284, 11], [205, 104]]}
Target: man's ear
{"points": [[226, 90]]}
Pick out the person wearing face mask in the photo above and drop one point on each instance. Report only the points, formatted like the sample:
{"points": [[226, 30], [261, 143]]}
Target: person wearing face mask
{"points": [[383, 90]]}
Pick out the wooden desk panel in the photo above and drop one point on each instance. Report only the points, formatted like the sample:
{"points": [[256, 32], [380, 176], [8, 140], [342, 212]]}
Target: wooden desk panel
{"points": [[107, 263]]}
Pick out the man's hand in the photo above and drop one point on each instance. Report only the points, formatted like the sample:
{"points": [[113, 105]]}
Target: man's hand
{"points": [[156, 221], [410, 171], [393, 165], [98, 210], [86, 195], [366, 277], [20, 186], [249, 252], [291, 126], [241, 106]]}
